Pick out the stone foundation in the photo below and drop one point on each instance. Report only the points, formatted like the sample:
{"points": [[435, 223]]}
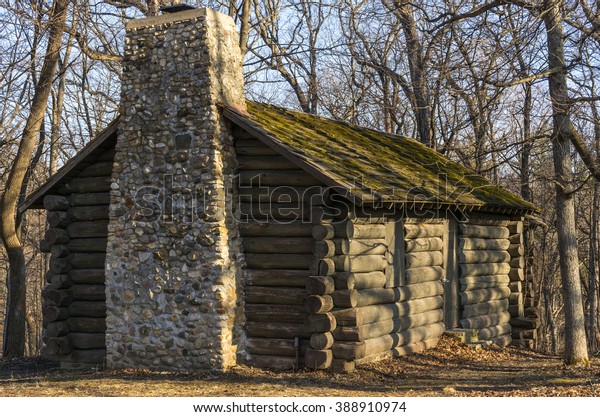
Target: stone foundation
{"points": [[173, 257]]}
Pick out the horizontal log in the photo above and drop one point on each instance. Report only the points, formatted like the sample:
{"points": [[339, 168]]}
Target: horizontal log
{"points": [[59, 266], [276, 363], [280, 177], [414, 231], [360, 246], [278, 245], [275, 295], [481, 322], [88, 292], [390, 326], [515, 228], [421, 259], [318, 359], [319, 323], [496, 280], [279, 261], [97, 169], [87, 324], [276, 277], [87, 340], [89, 199], [87, 245], [88, 213], [370, 314], [56, 297], [56, 329], [486, 232], [320, 285], [525, 323], [367, 297], [516, 286], [517, 310], [61, 281], [57, 236], [323, 232], [87, 309], [482, 309], [275, 229], [517, 263], [275, 313], [60, 251], [494, 331], [358, 350], [503, 340], [58, 346], [423, 244], [487, 294], [98, 228], [318, 304], [474, 270], [324, 249], [324, 266], [359, 280], [516, 239], [264, 162], [87, 276], [350, 230], [60, 219], [278, 347], [271, 213], [516, 250], [87, 260], [56, 203], [424, 274], [359, 263], [86, 185], [321, 341], [52, 313], [467, 243], [276, 330], [515, 298], [479, 256], [45, 246]]}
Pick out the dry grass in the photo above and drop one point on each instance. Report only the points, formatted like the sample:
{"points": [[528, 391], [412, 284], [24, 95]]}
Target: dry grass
{"points": [[448, 370]]}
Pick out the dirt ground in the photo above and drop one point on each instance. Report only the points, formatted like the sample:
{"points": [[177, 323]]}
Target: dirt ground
{"points": [[450, 369]]}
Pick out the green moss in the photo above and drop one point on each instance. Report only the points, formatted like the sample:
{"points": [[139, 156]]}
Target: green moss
{"points": [[398, 168]]}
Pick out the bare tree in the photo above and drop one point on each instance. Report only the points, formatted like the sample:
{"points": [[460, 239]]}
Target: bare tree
{"points": [[14, 329]]}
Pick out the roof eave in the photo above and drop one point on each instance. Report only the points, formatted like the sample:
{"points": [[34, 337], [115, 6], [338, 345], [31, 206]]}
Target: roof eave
{"points": [[34, 200]]}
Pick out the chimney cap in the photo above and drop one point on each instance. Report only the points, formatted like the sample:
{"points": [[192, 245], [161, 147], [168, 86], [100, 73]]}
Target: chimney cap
{"points": [[174, 8]]}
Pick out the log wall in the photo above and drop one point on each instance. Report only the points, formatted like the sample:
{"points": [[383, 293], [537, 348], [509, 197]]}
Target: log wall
{"points": [[74, 308], [387, 302], [523, 309], [485, 272], [275, 199]]}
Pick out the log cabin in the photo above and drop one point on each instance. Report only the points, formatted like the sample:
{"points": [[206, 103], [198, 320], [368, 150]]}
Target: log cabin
{"points": [[202, 230]]}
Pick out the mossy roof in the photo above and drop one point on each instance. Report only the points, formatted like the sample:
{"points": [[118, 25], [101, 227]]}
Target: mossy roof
{"points": [[370, 164]]}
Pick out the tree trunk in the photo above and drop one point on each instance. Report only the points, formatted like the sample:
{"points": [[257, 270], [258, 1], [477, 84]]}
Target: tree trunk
{"points": [[575, 338], [421, 102], [593, 271], [14, 328]]}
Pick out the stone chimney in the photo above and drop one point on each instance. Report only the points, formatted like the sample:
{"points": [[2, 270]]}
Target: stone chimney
{"points": [[172, 265]]}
